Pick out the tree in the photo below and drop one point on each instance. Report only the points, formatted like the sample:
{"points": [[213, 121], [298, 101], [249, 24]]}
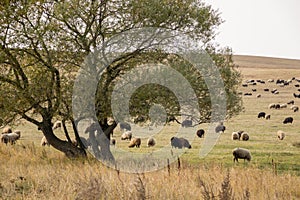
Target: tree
{"points": [[43, 47]]}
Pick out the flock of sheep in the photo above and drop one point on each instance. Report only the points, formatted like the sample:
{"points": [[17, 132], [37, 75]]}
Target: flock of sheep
{"points": [[10, 136]]}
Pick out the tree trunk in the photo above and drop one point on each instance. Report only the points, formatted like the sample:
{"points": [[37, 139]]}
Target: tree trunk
{"points": [[64, 146]]}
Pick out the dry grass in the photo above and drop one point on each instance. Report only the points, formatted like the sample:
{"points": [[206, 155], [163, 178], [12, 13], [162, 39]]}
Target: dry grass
{"points": [[28, 171]]}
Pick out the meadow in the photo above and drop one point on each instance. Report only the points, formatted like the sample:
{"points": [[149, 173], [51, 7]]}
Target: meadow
{"points": [[30, 171]]}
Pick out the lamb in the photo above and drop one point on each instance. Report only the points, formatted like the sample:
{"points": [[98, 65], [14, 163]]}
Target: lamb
{"points": [[180, 143], [288, 120], [126, 135], [135, 142], [245, 136], [150, 142], [44, 141], [261, 115], [235, 136], [57, 125], [241, 153], [10, 137], [280, 135], [200, 133]]}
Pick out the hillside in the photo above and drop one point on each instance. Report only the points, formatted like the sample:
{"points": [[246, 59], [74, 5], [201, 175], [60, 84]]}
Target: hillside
{"points": [[265, 62]]}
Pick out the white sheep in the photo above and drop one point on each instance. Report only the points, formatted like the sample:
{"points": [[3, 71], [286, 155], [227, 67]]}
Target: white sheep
{"points": [[242, 154], [235, 136], [280, 135], [245, 136], [150, 142], [44, 141], [126, 135]]}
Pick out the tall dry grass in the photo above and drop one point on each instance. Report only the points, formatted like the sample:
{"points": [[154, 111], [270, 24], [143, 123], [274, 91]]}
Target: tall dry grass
{"points": [[31, 172]]}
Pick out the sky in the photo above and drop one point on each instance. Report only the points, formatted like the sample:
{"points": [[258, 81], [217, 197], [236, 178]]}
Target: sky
{"points": [[260, 27]]}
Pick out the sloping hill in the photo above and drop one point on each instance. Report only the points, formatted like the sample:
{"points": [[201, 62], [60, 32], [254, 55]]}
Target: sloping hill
{"points": [[265, 62]]}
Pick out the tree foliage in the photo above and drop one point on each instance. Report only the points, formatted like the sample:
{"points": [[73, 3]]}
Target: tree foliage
{"points": [[44, 43]]}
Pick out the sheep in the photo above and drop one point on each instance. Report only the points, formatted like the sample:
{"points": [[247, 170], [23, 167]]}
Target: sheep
{"points": [[288, 120], [7, 130], [187, 123], [272, 105], [296, 95], [200, 133], [295, 108], [220, 128], [44, 141], [291, 102], [180, 143], [245, 136], [125, 126], [10, 137], [261, 115], [268, 117], [126, 135], [283, 105], [57, 125], [280, 135], [258, 95], [235, 136], [241, 153], [150, 142], [135, 142]]}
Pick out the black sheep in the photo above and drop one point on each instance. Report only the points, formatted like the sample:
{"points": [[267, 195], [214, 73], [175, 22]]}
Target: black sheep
{"points": [[200, 133], [261, 115], [288, 120]]}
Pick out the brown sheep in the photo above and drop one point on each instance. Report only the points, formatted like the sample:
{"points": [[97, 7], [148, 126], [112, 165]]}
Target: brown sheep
{"points": [[245, 136], [150, 142], [135, 142]]}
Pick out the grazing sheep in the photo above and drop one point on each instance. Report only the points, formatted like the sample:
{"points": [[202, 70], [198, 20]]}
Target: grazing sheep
{"points": [[277, 106], [268, 117], [283, 105], [187, 123], [241, 153], [235, 136], [266, 89], [291, 102], [57, 125], [6, 130], [10, 138], [180, 143], [280, 135], [295, 108], [270, 80], [261, 115], [126, 135], [150, 142], [245, 136], [135, 142], [248, 94], [258, 95], [220, 128], [296, 95], [272, 105], [125, 126], [288, 120], [44, 141], [200, 133]]}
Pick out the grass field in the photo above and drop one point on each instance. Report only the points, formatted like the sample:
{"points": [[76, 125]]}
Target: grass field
{"points": [[29, 171]]}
